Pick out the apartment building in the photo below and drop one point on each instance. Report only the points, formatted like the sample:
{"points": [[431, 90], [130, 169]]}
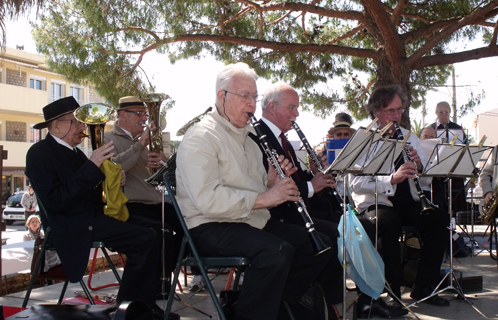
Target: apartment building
{"points": [[26, 86]]}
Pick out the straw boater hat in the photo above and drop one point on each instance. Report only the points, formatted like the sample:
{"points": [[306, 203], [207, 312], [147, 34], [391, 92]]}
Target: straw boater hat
{"points": [[130, 101], [341, 125], [57, 109]]}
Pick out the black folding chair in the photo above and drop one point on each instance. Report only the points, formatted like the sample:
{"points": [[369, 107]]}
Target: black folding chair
{"points": [[203, 263], [56, 273]]}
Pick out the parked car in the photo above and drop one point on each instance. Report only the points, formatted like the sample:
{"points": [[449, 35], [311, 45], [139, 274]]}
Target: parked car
{"points": [[14, 211]]}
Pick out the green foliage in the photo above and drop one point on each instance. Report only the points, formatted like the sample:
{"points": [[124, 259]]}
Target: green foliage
{"points": [[334, 52]]}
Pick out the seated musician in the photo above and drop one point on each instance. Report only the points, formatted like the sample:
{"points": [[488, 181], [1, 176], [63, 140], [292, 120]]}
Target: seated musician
{"points": [[488, 178], [280, 104], [224, 192], [399, 205], [130, 137], [68, 184]]}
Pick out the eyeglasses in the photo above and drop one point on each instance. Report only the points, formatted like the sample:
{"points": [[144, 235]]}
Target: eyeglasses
{"points": [[138, 113], [71, 121], [393, 111], [291, 107], [426, 136], [245, 96], [342, 134], [443, 112]]}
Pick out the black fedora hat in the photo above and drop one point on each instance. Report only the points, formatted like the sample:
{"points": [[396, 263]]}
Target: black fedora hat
{"points": [[57, 109]]}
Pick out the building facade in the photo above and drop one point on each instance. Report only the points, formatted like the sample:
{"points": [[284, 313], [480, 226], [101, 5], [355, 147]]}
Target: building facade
{"points": [[26, 86]]}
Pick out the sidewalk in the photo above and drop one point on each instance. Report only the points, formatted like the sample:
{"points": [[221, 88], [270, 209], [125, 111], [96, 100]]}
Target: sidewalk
{"points": [[485, 301]]}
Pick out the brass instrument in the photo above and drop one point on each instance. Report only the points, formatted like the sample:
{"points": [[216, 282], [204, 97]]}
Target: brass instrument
{"points": [[153, 103], [488, 211], [95, 115], [426, 205], [317, 243]]}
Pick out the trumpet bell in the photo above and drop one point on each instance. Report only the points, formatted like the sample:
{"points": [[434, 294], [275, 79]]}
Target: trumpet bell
{"points": [[95, 115]]}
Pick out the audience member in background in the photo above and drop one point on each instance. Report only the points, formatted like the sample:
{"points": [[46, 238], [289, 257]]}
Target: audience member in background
{"points": [[34, 228], [29, 203]]}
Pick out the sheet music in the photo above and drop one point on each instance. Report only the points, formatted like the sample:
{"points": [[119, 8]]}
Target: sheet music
{"points": [[450, 133], [444, 158], [356, 148], [428, 146], [381, 160]]}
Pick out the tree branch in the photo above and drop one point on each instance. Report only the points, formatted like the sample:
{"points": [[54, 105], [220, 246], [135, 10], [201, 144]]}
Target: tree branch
{"points": [[495, 34], [398, 11], [222, 24], [347, 34], [272, 45], [444, 59], [392, 43], [477, 15]]}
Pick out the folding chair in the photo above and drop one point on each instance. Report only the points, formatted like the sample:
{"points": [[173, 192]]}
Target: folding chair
{"points": [[56, 273], [204, 263]]}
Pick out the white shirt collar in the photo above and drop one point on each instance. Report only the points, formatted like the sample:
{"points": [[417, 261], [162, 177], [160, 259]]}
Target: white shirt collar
{"points": [[64, 143], [276, 131], [128, 133]]}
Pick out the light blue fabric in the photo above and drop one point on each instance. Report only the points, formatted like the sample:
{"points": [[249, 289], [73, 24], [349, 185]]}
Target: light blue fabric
{"points": [[364, 264]]}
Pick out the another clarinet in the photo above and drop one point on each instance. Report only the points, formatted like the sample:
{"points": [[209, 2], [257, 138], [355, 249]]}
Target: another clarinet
{"points": [[317, 243], [426, 205], [313, 156]]}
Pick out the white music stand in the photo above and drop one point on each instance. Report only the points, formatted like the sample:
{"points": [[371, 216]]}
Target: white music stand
{"points": [[452, 161], [367, 153]]}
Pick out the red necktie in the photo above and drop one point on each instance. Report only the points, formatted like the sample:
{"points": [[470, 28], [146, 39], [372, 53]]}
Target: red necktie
{"points": [[286, 146]]}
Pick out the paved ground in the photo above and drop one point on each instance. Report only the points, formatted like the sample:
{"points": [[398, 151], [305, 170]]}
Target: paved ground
{"points": [[484, 301]]}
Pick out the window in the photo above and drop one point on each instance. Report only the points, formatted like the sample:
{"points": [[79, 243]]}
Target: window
{"points": [[37, 83], [77, 93], [34, 134], [56, 91]]}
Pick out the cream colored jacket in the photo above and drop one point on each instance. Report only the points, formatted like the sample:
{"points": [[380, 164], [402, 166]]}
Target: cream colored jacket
{"points": [[219, 174]]}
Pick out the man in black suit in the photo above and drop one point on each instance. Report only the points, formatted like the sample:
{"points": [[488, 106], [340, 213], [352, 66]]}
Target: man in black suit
{"points": [[68, 184], [443, 112], [280, 104]]}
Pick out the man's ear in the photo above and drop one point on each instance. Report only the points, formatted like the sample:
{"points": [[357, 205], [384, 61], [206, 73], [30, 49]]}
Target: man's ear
{"points": [[221, 94]]}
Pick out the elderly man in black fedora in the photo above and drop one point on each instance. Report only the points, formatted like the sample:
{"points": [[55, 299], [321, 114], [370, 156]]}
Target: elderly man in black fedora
{"points": [[68, 185]]}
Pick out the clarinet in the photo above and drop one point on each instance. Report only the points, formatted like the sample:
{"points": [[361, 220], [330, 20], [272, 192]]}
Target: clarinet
{"points": [[426, 205], [313, 156], [317, 243]]}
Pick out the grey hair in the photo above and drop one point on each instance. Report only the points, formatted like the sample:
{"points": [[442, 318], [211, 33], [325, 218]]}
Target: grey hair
{"points": [[273, 94], [443, 104], [381, 97], [235, 69]]}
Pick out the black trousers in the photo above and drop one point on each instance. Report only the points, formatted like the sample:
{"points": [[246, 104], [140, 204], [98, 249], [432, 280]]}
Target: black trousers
{"points": [[173, 230], [283, 262], [139, 240], [435, 236]]}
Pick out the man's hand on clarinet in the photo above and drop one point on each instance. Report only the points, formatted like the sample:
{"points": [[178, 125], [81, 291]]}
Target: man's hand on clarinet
{"points": [[321, 181], [323, 160], [415, 158], [285, 164], [282, 191], [407, 171]]}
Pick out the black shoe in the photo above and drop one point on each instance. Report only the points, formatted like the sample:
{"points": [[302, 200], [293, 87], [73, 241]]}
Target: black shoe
{"points": [[419, 293], [312, 304], [158, 314], [379, 308]]}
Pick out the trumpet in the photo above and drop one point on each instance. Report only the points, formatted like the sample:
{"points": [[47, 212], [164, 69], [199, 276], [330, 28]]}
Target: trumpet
{"points": [[426, 205], [317, 243], [314, 157]]}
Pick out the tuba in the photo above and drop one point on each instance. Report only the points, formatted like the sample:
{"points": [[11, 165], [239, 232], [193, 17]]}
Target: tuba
{"points": [[95, 115], [153, 103]]}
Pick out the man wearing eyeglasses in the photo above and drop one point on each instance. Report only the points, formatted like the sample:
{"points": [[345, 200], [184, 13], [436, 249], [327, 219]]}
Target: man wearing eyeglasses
{"points": [[224, 194], [130, 136], [399, 204], [443, 112]]}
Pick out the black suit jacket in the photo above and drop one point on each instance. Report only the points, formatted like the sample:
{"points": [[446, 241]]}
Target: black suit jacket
{"points": [[451, 125], [282, 211], [68, 185]]}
